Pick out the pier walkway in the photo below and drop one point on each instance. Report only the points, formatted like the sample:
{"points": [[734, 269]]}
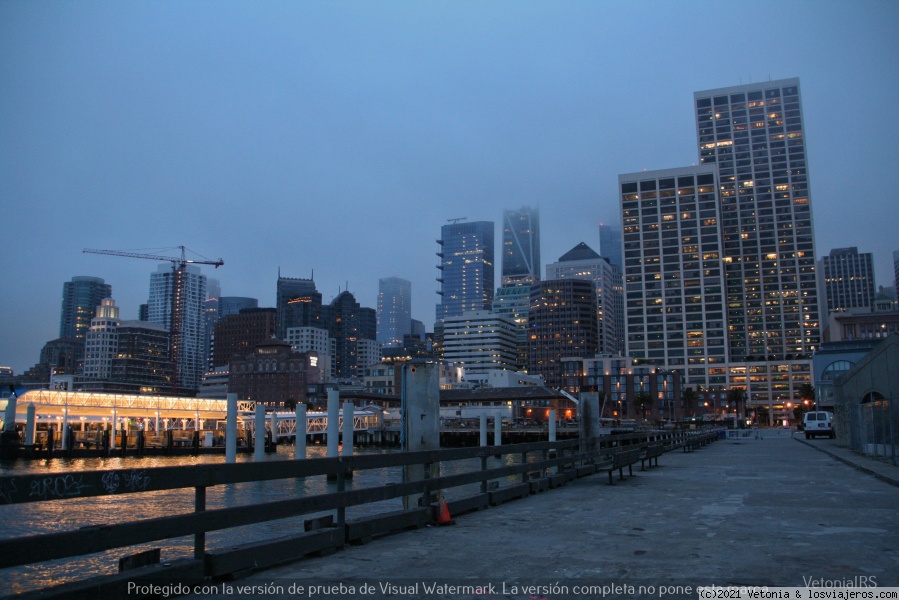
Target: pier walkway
{"points": [[778, 511]]}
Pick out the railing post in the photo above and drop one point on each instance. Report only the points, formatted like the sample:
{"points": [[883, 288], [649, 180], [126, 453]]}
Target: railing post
{"points": [[483, 468], [426, 497], [200, 536], [341, 487], [524, 461]]}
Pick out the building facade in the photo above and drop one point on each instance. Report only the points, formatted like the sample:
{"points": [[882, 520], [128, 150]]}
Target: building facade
{"points": [[188, 335], [317, 340], [274, 375], [466, 269], [581, 262], [561, 323], [80, 298], [238, 334], [101, 341], [628, 391], [754, 136], [847, 279], [480, 341], [521, 246], [610, 244], [394, 311], [514, 303], [673, 273]]}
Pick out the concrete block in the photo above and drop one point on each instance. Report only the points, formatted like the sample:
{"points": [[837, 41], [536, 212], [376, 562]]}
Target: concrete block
{"points": [[387, 523], [511, 492], [470, 504], [267, 553]]}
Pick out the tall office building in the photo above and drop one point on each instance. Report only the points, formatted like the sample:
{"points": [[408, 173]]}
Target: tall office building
{"points": [[466, 268], [349, 323], [298, 304], [847, 279], [581, 262], [561, 324], [80, 298], [610, 244], [480, 341], [188, 346], [673, 275], [521, 246], [754, 135], [513, 302], [232, 305], [394, 311]]}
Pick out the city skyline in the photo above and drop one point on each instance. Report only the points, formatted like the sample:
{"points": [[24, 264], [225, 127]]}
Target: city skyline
{"points": [[337, 140]]}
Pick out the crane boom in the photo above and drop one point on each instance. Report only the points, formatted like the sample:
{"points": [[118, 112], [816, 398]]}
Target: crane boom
{"points": [[178, 308], [183, 260]]}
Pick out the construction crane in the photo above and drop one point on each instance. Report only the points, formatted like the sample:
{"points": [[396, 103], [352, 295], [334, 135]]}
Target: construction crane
{"points": [[179, 299]]}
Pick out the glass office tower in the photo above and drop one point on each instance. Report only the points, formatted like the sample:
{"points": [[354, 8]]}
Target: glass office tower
{"points": [[466, 268]]}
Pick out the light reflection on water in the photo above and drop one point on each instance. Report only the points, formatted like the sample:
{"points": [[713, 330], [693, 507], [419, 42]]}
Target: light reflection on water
{"points": [[44, 517]]}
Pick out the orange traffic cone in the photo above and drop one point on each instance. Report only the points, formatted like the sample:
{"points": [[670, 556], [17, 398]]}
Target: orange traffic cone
{"points": [[443, 514]]}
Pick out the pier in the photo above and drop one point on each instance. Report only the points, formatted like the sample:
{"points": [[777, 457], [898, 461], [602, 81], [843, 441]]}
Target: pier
{"points": [[466, 479]]}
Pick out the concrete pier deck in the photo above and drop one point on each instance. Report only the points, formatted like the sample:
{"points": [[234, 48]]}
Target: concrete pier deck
{"points": [[778, 511]]}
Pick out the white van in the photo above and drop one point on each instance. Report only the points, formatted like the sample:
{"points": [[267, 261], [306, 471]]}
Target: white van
{"points": [[818, 422]]}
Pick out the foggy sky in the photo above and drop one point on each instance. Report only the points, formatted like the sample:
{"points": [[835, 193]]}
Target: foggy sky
{"points": [[338, 137]]}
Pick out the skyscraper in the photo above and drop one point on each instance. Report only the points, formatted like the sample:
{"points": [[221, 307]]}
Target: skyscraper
{"points": [[394, 310], [847, 278], [581, 262], [754, 135], [673, 282], [350, 324], [188, 349], [298, 304], [466, 268], [480, 341], [80, 298], [521, 246]]}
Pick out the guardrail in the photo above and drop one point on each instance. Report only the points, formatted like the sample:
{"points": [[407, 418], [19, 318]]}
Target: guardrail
{"points": [[538, 466]]}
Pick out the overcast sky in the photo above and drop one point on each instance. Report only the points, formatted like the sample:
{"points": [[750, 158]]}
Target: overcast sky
{"points": [[338, 137]]}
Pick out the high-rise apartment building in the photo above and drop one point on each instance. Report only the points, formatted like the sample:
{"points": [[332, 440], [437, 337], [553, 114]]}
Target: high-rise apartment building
{"points": [[298, 304], [480, 341], [521, 246], [581, 262], [754, 136], [673, 272], [80, 298], [847, 280], [101, 341], [466, 268], [188, 348], [394, 311], [561, 323]]}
